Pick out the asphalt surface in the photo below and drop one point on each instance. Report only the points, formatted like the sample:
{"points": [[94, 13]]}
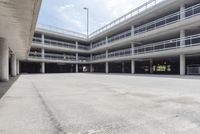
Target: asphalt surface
{"points": [[101, 104]]}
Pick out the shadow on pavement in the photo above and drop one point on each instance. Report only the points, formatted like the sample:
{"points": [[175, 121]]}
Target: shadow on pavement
{"points": [[5, 86]]}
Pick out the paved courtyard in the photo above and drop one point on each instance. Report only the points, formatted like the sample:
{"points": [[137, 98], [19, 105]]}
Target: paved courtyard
{"points": [[100, 104]]}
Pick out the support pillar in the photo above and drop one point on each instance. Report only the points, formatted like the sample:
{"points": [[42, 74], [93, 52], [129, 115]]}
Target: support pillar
{"points": [[18, 67], [43, 67], [182, 64], [91, 68], [4, 61], [132, 30], [107, 68], [133, 66], [182, 10], [43, 53], [76, 44], [76, 68], [182, 37], [13, 65]]}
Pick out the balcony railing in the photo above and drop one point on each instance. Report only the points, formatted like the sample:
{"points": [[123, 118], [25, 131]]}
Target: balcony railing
{"points": [[167, 20], [62, 31], [127, 16], [99, 57], [59, 43], [83, 59], [100, 43], [120, 53], [60, 57], [120, 36]]}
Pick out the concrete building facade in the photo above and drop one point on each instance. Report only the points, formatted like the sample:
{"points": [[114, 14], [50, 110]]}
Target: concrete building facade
{"points": [[159, 37]]}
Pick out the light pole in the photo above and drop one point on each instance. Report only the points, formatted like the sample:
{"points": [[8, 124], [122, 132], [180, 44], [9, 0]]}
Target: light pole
{"points": [[87, 9]]}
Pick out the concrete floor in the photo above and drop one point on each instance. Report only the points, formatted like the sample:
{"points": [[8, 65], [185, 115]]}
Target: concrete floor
{"points": [[101, 104]]}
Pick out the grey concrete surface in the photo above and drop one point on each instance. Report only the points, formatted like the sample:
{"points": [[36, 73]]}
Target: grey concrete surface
{"points": [[101, 104]]}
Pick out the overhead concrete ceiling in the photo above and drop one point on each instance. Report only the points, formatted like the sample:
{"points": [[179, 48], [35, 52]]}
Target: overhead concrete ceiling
{"points": [[17, 24]]}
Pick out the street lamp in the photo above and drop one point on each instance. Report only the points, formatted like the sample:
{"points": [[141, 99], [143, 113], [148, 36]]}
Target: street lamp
{"points": [[87, 9]]}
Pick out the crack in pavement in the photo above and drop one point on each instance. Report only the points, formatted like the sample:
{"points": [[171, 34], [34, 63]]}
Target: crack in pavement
{"points": [[57, 125]]}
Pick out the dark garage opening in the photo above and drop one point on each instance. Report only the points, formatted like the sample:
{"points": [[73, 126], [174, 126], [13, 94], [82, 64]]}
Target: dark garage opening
{"points": [[120, 67], [30, 67], [167, 65], [193, 65], [59, 68], [99, 68]]}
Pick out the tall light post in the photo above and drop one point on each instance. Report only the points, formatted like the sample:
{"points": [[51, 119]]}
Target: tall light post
{"points": [[87, 9]]}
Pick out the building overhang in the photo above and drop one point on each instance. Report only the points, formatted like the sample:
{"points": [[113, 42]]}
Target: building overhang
{"points": [[17, 24]]}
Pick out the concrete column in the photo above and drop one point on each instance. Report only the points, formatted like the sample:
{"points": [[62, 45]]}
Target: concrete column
{"points": [[107, 68], [182, 64], [133, 66], [106, 40], [43, 53], [18, 67], [76, 56], [106, 54], [76, 44], [13, 65], [133, 30], [43, 39], [43, 67], [132, 48], [76, 68], [4, 61], [182, 37], [182, 10]]}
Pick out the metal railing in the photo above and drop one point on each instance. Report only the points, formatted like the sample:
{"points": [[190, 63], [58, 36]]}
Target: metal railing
{"points": [[61, 30], [127, 16], [193, 70], [83, 47], [59, 57], [167, 20], [83, 59], [120, 53], [168, 45], [35, 55], [119, 36], [99, 57], [100, 43], [59, 43]]}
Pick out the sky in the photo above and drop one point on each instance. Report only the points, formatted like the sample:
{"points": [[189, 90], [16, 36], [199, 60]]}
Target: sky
{"points": [[69, 14]]}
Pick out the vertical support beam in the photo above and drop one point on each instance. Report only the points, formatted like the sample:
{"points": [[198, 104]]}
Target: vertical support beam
{"points": [[182, 10], [76, 68], [182, 64], [106, 54], [182, 37], [106, 40], [107, 68], [132, 30], [43, 39], [13, 65], [18, 67], [132, 48], [4, 61], [43, 67], [133, 66], [43, 53], [76, 44]]}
